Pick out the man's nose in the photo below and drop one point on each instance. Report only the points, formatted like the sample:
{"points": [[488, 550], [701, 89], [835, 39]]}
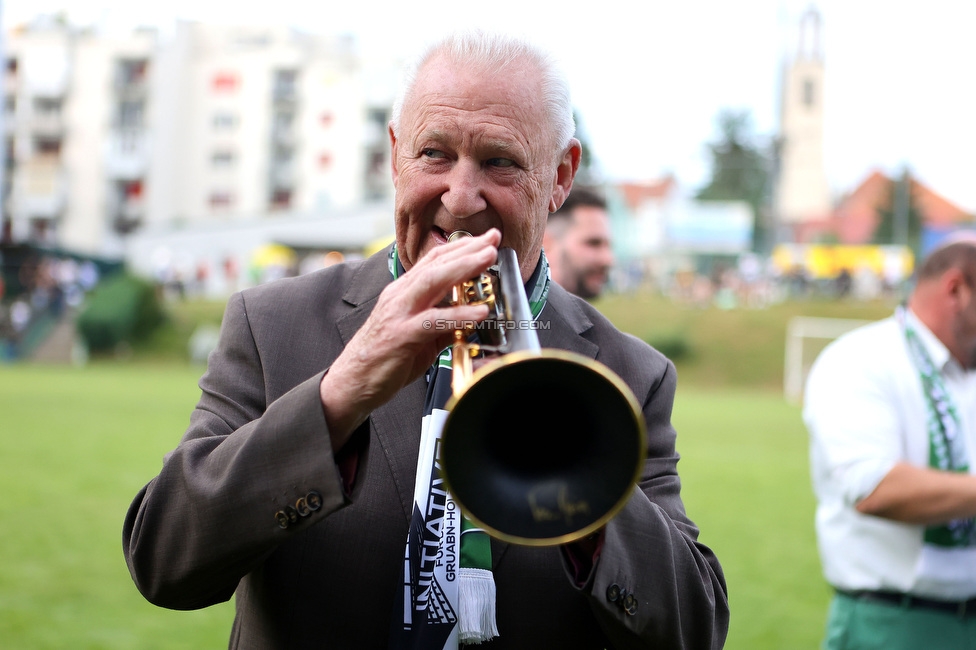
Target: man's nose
{"points": [[465, 192]]}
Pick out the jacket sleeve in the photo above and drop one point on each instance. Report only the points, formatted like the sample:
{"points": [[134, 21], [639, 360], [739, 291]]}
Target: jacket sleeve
{"points": [[654, 585], [244, 478]]}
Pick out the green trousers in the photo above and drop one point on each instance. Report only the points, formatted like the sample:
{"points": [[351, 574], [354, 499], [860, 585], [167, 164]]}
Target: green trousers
{"points": [[866, 625]]}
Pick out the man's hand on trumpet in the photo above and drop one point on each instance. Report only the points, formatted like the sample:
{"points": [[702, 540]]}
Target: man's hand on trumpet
{"points": [[397, 344]]}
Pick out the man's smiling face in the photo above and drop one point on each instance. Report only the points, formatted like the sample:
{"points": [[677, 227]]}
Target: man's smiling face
{"points": [[474, 151]]}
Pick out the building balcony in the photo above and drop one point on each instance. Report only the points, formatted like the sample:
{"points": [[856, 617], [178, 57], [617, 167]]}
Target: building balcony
{"points": [[39, 190], [41, 206], [131, 88], [284, 97], [127, 155], [131, 78], [48, 125], [53, 88], [282, 176], [283, 136], [128, 215]]}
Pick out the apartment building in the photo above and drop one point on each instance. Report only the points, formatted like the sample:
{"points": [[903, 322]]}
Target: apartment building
{"points": [[264, 120], [76, 136], [107, 134]]}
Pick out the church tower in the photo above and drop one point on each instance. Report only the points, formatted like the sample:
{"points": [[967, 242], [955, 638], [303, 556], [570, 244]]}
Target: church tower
{"points": [[802, 195]]}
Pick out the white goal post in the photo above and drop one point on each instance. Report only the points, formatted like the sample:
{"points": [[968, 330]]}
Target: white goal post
{"points": [[798, 331]]}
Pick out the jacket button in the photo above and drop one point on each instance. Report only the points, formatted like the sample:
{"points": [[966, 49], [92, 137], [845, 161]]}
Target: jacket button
{"points": [[629, 604], [291, 513], [613, 593], [302, 507], [282, 519], [314, 500]]}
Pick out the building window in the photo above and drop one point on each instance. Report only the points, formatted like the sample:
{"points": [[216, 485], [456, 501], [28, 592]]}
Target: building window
{"points": [[221, 200], [130, 141], [130, 113], [283, 120], [280, 199], [282, 155], [222, 159], [285, 85], [224, 121], [46, 106], [808, 92], [47, 146], [132, 190], [224, 82], [130, 72]]}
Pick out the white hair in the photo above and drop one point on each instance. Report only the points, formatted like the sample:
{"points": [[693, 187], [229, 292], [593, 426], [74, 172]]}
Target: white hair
{"points": [[494, 52]]}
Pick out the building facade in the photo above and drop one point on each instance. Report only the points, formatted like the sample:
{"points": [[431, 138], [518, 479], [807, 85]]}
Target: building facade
{"points": [[106, 134]]}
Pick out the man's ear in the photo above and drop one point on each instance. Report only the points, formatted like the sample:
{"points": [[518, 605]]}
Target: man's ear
{"points": [[393, 152], [566, 170], [955, 287]]}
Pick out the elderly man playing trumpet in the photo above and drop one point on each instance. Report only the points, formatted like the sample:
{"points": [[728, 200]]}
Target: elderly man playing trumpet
{"points": [[293, 489]]}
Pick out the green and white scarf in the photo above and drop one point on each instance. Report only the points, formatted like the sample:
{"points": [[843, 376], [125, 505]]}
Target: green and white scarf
{"points": [[448, 594], [947, 440]]}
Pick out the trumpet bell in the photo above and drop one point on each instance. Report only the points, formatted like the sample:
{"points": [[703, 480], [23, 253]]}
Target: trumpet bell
{"points": [[542, 448]]}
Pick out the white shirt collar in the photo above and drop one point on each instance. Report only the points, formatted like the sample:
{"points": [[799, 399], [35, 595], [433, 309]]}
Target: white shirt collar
{"points": [[938, 352]]}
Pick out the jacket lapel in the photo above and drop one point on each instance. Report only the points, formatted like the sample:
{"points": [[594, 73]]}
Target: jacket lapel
{"points": [[400, 443], [566, 322]]}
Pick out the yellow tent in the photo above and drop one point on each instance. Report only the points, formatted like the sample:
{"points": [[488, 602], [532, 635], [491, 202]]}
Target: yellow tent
{"points": [[377, 245], [273, 255]]}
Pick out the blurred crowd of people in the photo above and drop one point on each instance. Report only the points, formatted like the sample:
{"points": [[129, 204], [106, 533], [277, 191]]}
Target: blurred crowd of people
{"points": [[178, 275], [749, 282], [45, 286]]}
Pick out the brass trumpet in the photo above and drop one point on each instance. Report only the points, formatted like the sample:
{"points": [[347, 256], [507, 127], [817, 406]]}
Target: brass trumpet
{"points": [[540, 446]]}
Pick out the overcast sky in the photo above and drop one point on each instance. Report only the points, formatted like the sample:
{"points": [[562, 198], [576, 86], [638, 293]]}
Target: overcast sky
{"points": [[649, 78]]}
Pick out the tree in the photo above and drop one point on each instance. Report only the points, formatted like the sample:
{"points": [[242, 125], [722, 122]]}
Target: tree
{"points": [[899, 220], [739, 169]]}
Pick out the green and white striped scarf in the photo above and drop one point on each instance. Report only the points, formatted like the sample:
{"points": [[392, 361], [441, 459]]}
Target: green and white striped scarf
{"points": [[947, 442], [448, 594]]}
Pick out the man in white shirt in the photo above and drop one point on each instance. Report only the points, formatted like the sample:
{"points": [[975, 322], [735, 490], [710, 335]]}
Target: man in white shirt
{"points": [[891, 411]]}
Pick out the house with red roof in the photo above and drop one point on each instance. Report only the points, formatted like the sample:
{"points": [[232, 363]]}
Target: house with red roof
{"points": [[857, 215]]}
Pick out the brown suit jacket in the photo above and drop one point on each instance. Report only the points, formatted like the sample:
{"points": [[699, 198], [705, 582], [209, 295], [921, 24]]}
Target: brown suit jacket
{"points": [[209, 526]]}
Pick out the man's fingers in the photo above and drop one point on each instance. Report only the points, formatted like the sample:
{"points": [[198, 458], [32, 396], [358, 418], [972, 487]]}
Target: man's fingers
{"points": [[448, 265]]}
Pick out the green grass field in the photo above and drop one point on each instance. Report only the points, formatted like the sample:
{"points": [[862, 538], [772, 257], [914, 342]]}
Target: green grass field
{"points": [[727, 347], [77, 444], [75, 447]]}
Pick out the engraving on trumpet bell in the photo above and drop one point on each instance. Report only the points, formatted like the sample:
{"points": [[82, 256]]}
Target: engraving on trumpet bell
{"points": [[550, 502]]}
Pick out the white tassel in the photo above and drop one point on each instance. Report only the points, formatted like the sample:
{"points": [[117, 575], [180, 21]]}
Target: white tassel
{"points": [[476, 606]]}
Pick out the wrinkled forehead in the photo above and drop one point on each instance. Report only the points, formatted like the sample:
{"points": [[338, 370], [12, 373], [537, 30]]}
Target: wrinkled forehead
{"points": [[511, 87]]}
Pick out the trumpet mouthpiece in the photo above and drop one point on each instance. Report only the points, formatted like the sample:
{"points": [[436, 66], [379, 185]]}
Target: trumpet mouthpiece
{"points": [[457, 234]]}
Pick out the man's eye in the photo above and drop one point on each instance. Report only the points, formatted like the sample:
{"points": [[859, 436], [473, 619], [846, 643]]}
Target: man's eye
{"points": [[500, 162], [431, 153]]}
